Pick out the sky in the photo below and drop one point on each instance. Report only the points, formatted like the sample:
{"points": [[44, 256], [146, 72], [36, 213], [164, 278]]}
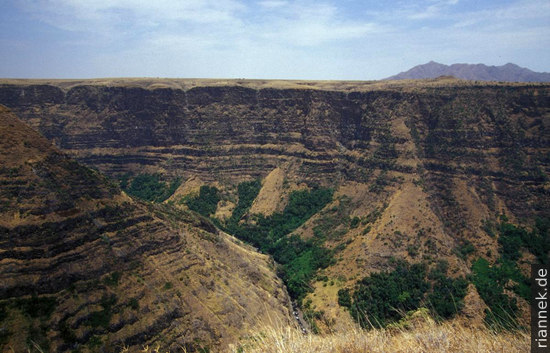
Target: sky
{"points": [[266, 39]]}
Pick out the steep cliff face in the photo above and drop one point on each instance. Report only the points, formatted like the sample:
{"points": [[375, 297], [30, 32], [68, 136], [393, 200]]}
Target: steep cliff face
{"points": [[421, 170], [83, 266], [231, 129], [494, 134]]}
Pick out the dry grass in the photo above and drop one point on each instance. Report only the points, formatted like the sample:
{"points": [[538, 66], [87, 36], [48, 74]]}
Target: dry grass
{"points": [[328, 85], [418, 333], [426, 337]]}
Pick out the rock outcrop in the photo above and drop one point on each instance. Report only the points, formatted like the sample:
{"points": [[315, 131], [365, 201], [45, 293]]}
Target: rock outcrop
{"points": [[83, 266], [421, 167], [493, 135]]}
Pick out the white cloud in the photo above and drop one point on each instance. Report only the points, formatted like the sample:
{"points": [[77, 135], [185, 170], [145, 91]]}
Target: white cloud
{"points": [[103, 15], [300, 23], [530, 9], [310, 25], [518, 16], [280, 38]]}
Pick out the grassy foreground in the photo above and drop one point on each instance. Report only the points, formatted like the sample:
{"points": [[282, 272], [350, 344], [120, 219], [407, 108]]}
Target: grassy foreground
{"points": [[417, 333], [426, 337]]}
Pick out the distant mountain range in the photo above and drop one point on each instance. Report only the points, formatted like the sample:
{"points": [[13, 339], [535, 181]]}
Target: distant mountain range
{"points": [[509, 72]]}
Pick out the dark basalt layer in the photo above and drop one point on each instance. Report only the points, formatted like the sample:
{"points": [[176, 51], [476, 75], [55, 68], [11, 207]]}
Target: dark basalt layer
{"points": [[471, 151], [494, 135], [93, 268]]}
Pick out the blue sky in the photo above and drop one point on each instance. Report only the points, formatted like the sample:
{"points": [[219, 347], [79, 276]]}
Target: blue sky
{"points": [[345, 39]]}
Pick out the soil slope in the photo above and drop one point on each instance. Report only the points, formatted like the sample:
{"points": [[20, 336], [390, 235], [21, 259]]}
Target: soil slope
{"points": [[422, 170], [83, 266]]}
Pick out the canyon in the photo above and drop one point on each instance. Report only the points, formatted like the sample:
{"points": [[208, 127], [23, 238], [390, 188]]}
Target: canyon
{"points": [[418, 171], [82, 265]]}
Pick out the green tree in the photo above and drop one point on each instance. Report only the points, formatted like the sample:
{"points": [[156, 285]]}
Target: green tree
{"points": [[206, 202]]}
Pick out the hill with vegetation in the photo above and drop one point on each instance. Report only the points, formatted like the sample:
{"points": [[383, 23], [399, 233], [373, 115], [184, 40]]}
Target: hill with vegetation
{"points": [[84, 267], [373, 199]]}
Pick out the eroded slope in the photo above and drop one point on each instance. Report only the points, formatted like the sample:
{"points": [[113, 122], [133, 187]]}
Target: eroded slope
{"points": [[421, 171], [83, 266]]}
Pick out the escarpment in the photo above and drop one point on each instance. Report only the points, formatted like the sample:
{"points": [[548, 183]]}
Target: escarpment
{"points": [[493, 135], [84, 267], [429, 172]]}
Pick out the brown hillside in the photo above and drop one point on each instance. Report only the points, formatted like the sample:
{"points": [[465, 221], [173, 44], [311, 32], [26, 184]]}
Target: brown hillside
{"points": [[421, 169], [82, 266]]}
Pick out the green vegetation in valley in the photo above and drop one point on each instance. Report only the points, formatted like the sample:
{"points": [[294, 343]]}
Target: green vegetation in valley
{"points": [[148, 187], [511, 239], [491, 281], [206, 202], [446, 298], [344, 298], [465, 249], [299, 259], [247, 192], [382, 298]]}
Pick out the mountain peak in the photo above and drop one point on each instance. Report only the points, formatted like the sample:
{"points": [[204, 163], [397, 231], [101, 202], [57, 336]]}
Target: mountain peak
{"points": [[480, 72]]}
